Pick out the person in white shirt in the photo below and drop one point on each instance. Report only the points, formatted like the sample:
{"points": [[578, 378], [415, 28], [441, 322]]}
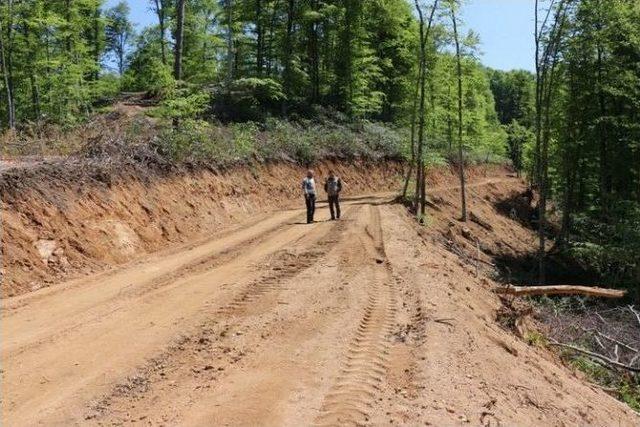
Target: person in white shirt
{"points": [[309, 190]]}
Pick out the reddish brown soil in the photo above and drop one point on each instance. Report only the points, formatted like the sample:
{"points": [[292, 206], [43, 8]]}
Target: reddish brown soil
{"points": [[371, 320], [57, 228]]}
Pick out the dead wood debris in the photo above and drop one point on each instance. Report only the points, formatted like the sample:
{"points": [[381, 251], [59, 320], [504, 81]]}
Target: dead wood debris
{"points": [[561, 290]]}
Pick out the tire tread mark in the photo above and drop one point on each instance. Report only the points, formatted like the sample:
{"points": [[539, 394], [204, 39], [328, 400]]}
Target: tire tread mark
{"points": [[350, 399]]}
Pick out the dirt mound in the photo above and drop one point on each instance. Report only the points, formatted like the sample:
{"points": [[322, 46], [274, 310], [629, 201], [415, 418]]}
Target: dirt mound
{"points": [[69, 218]]}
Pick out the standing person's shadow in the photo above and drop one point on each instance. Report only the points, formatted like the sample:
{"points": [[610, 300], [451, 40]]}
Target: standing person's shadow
{"points": [[305, 223]]}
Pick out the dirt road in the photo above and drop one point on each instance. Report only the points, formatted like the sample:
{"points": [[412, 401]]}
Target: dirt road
{"points": [[359, 321]]}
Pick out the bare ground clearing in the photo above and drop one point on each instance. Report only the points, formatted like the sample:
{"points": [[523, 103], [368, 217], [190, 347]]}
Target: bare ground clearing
{"points": [[369, 320]]}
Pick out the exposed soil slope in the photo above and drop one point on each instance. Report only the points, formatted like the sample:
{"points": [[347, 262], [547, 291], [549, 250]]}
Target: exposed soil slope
{"points": [[369, 320], [57, 225]]}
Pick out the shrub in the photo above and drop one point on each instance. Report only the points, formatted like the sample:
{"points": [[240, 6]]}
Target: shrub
{"points": [[248, 99], [185, 107]]}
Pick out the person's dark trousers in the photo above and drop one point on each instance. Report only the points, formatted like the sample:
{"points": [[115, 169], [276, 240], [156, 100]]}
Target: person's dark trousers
{"points": [[310, 200], [334, 206]]}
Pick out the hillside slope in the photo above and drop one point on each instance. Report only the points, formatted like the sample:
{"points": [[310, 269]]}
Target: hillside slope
{"points": [[368, 320]]}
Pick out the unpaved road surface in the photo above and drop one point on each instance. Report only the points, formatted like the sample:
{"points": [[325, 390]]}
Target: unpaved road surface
{"points": [[352, 322]]}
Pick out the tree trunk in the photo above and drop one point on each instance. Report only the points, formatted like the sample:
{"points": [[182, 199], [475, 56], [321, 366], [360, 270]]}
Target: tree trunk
{"points": [[272, 26], [177, 65], [538, 150], [288, 46], [460, 124], [96, 44], [561, 290], [11, 118], [421, 186], [449, 120], [413, 135], [545, 73], [605, 172], [230, 44], [314, 59], [259, 39], [33, 79], [161, 12]]}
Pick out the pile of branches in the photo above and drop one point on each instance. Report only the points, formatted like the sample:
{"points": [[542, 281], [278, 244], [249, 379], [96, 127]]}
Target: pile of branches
{"points": [[608, 336]]}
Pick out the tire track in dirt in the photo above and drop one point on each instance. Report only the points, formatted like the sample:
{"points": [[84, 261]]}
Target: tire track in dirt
{"points": [[209, 344], [208, 262], [367, 357], [287, 265]]}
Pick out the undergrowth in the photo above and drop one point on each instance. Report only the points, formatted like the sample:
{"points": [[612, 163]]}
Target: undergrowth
{"points": [[605, 329], [194, 141]]}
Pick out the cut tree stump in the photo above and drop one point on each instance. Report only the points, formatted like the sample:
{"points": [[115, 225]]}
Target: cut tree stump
{"points": [[561, 290]]}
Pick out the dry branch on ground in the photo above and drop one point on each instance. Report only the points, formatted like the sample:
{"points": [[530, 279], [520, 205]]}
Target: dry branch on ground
{"points": [[561, 290]]}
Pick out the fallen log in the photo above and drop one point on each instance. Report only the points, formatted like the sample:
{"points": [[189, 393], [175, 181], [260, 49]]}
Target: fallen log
{"points": [[561, 290]]}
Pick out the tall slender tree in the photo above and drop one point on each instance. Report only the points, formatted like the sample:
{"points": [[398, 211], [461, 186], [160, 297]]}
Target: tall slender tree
{"points": [[548, 36], [119, 32], [161, 7], [424, 32], [452, 8], [179, 36]]}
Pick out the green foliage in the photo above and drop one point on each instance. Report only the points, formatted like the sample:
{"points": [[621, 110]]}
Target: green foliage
{"points": [[626, 386], [52, 51], [106, 89], [630, 394], [199, 141], [119, 30], [257, 59], [610, 248], [514, 93], [159, 80], [249, 99], [146, 70], [519, 138], [594, 371], [535, 339], [185, 107]]}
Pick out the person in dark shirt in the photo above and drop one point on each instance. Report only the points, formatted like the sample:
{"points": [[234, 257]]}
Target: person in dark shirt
{"points": [[333, 187]]}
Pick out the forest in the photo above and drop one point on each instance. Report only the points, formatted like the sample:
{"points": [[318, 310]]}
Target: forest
{"points": [[353, 77]]}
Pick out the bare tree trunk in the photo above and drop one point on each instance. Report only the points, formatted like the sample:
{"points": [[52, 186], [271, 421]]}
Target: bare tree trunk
{"points": [[230, 44], [413, 135], [545, 72], [314, 59], [162, 13], [288, 46], [421, 185], [11, 118], [33, 80], [96, 43], [449, 120], [538, 178], [272, 26], [605, 172], [259, 38], [177, 65], [460, 124]]}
